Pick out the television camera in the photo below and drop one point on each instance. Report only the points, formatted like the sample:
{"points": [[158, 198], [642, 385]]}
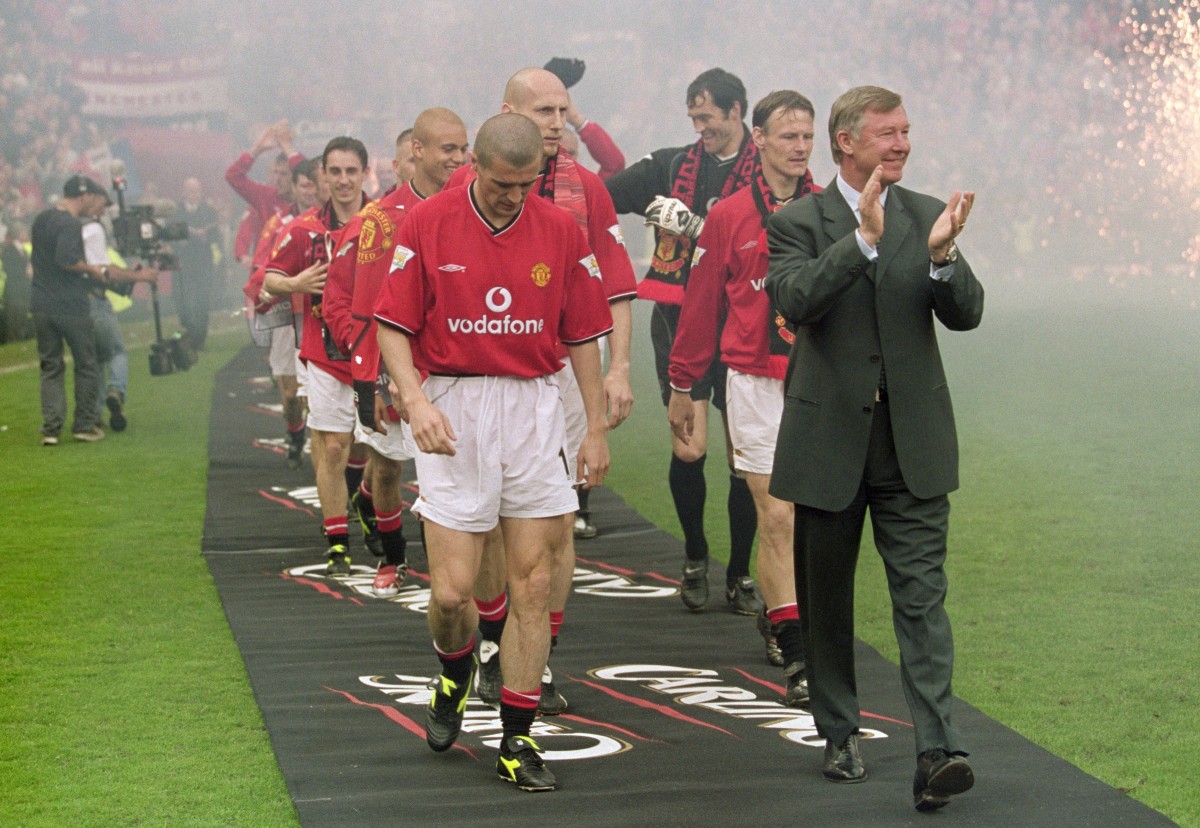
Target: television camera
{"points": [[139, 233]]}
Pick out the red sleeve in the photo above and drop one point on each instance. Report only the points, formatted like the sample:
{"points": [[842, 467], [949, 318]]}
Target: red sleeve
{"points": [[699, 317], [260, 197], [253, 287], [607, 242], [339, 285], [603, 149], [401, 303], [585, 314], [288, 256]]}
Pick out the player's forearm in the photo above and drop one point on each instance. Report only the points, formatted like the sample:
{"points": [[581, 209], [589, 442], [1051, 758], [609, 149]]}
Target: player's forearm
{"points": [[396, 351], [621, 336], [585, 362], [277, 284]]}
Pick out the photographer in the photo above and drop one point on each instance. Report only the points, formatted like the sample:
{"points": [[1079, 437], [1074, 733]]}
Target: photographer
{"points": [[110, 346]]}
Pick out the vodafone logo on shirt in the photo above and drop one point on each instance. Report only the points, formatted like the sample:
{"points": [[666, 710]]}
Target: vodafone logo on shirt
{"points": [[498, 300]]}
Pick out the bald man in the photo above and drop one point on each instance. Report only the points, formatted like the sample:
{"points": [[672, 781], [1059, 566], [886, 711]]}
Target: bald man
{"points": [[437, 144], [541, 96], [485, 287]]}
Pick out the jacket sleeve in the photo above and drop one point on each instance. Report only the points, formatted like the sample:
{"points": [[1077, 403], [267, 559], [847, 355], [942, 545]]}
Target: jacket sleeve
{"points": [[635, 187], [260, 197], [703, 300], [958, 301], [803, 281], [339, 287]]}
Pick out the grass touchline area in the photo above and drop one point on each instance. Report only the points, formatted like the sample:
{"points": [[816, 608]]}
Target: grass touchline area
{"points": [[1073, 573]]}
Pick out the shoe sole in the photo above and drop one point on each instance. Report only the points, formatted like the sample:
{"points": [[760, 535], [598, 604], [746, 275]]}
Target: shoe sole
{"points": [[842, 780], [529, 788], [956, 778], [693, 605], [800, 703], [438, 747], [553, 711]]}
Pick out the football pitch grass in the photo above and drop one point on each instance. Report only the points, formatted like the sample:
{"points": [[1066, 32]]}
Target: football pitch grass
{"points": [[1074, 578]]}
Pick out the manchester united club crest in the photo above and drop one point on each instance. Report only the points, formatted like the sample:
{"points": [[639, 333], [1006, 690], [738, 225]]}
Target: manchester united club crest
{"points": [[540, 274], [367, 236]]}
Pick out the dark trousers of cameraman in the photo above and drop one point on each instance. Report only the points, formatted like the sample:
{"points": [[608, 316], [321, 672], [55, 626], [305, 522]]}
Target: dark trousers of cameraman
{"points": [[78, 333], [192, 287]]}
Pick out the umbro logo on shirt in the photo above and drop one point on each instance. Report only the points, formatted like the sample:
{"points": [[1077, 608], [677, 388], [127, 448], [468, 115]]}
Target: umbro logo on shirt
{"points": [[452, 268], [749, 244]]}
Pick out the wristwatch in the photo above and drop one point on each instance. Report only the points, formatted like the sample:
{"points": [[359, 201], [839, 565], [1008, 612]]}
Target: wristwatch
{"points": [[951, 256], [104, 272]]}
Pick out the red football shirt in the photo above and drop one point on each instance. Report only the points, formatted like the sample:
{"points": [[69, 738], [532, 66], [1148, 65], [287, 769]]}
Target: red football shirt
{"points": [[373, 258], [603, 232], [308, 240], [480, 301], [729, 269]]}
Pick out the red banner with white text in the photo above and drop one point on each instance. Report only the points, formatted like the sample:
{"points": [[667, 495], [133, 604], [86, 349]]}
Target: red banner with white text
{"points": [[150, 86]]}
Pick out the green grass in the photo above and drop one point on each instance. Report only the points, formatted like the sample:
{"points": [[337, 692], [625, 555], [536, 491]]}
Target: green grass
{"points": [[1073, 566], [1074, 573], [123, 699]]}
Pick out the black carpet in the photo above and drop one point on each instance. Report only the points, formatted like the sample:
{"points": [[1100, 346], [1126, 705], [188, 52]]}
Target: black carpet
{"points": [[674, 718]]}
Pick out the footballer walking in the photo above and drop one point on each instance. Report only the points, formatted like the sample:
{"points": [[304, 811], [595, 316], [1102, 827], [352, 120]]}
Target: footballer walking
{"points": [[477, 297]]}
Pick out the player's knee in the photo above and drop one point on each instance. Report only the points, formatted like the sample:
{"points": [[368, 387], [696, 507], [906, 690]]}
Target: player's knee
{"points": [[451, 600], [387, 472]]}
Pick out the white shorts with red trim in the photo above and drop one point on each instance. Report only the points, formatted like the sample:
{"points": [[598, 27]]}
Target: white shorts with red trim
{"points": [[574, 413], [301, 375], [330, 402], [397, 444], [510, 456], [283, 352], [754, 408]]}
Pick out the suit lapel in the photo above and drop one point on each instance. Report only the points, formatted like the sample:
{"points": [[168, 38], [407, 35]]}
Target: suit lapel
{"points": [[839, 218], [897, 225]]}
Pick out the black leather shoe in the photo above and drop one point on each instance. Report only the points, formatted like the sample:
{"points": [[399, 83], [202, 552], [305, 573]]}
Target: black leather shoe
{"points": [[844, 764], [940, 776]]}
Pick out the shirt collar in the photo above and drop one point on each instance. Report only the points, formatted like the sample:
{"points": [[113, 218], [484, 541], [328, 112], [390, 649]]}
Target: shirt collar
{"points": [[851, 195]]}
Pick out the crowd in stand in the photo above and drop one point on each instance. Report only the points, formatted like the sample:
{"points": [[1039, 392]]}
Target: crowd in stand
{"points": [[1017, 95]]}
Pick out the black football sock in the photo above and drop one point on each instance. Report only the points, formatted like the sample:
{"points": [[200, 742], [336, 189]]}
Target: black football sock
{"points": [[743, 524], [689, 490]]}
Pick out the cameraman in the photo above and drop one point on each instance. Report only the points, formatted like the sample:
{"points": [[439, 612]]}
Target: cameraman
{"points": [[61, 307], [110, 346]]}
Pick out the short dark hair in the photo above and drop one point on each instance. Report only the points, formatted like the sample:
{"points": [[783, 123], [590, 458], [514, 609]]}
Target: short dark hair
{"points": [[307, 168], [509, 136], [780, 99], [345, 142], [724, 88]]}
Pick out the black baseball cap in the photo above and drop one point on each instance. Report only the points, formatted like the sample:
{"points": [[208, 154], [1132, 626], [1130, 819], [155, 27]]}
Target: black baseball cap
{"points": [[81, 185]]}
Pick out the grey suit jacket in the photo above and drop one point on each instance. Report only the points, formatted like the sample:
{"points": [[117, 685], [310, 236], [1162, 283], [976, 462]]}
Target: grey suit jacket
{"points": [[855, 317]]}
